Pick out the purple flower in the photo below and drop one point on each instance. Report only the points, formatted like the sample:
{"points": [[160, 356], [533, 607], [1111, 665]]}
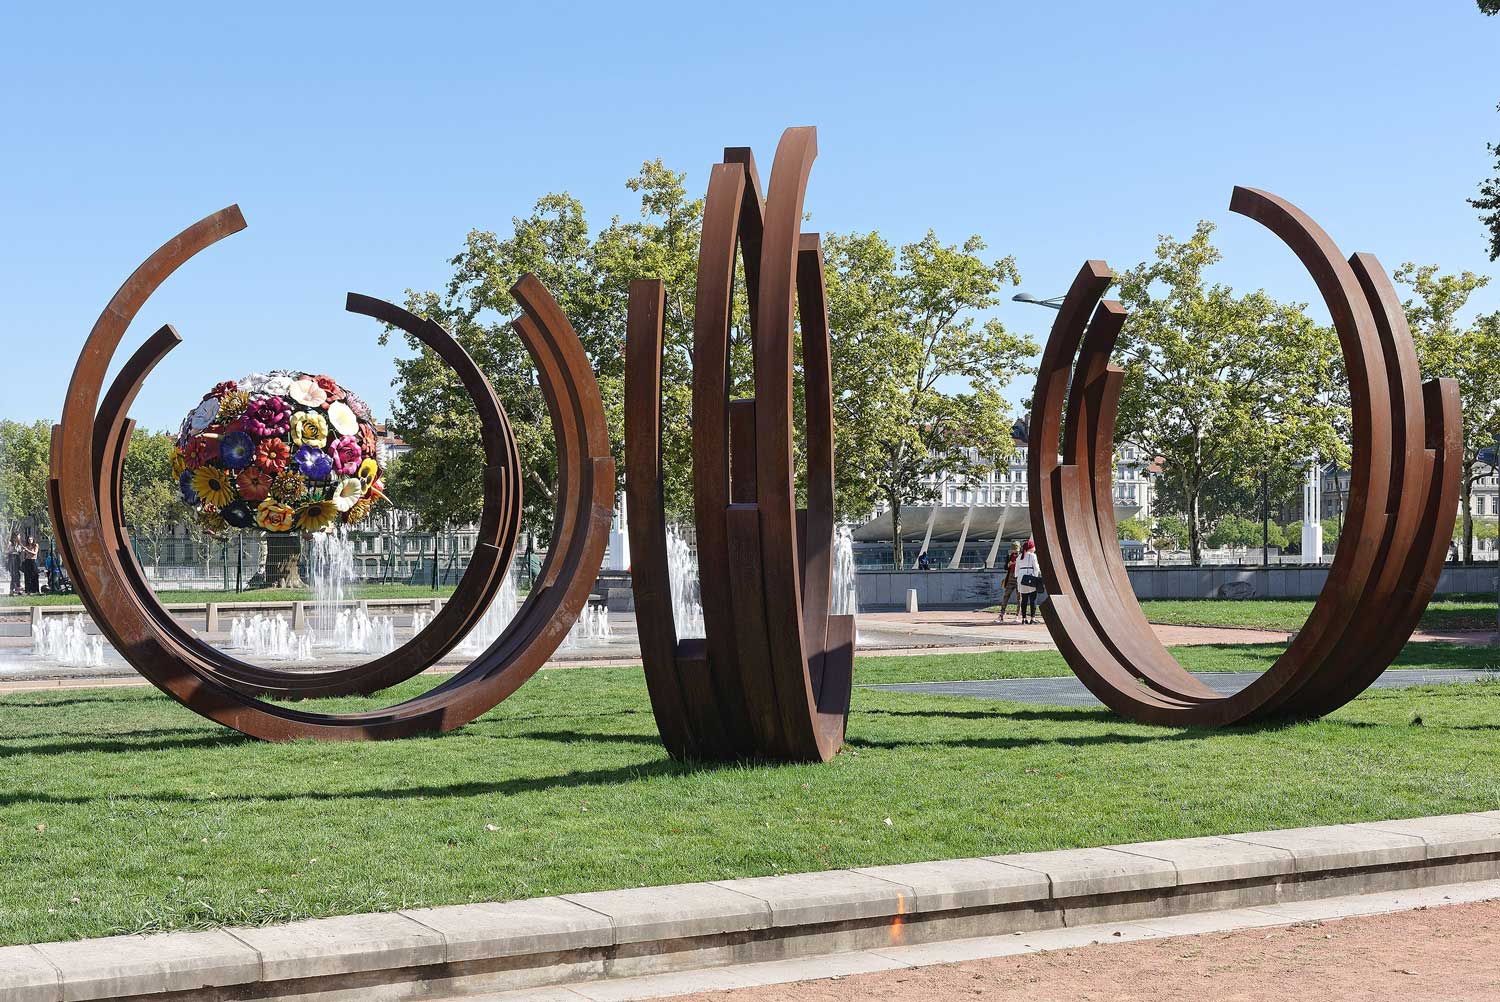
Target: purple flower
{"points": [[236, 451], [185, 487], [313, 463], [268, 417], [239, 514]]}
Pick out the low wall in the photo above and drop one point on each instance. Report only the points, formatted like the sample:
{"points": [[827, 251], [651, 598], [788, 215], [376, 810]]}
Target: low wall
{"points": [[970, 589]]}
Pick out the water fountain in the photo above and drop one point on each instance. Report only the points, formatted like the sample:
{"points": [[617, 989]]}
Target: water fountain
{"points": [[590, 629], [65, 641], [270, 637], [496, 618], [682, 574], [843, 599], [330, 566]]}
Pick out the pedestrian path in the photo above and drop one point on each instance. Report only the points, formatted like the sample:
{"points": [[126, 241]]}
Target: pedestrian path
{"points": [[1067, 690]]}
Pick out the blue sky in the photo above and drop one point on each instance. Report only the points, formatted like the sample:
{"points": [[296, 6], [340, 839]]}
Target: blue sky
{"points": [[363, 142]]}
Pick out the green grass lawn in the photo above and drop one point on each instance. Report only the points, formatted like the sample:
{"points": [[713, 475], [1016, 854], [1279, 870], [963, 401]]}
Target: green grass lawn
{"points": [[120, 811], [1452, 612], [250, 595]]}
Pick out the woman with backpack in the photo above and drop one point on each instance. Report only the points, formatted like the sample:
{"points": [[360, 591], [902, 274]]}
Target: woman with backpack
{"points": [[1029, 578]]}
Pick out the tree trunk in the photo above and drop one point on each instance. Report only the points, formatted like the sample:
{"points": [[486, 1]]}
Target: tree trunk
{"points": [[1195, 532], [282, 551], [1466, 500], [896, 556]]}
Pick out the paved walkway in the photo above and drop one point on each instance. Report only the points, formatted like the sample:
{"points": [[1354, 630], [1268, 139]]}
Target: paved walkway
{"points": [[1067, 690]]}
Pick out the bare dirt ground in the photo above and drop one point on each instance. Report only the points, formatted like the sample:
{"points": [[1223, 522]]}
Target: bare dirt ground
{"points": [[1449, 954]]}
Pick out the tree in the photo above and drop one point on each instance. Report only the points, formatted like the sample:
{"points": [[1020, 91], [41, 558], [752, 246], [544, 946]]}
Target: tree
{"points": [[1488, 202], [151, 500], [1466, 353], [1490, 6], [25, 451], [917, 376], [1169, 533], [1222, 386], [1133, 528]]}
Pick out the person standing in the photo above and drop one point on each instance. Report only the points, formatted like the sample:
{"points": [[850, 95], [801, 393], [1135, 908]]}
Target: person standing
{"points": [[13, 562], [1008, 585], [1029, 579], [29, 552]]}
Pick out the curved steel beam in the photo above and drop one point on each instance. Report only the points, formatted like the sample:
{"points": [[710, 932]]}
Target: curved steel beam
{"points": [[1388, 558], [88, 529]]}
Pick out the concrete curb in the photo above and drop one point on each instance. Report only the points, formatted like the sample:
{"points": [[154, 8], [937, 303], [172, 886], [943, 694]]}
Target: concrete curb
{"points": [[596, 936]]}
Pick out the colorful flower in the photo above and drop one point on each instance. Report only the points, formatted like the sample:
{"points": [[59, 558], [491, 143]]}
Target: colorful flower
{"points": [[334, 390], [204, 414], [253, 483], [211, 519], [307, 392], [236, 450], [346, 455], [222, 388], [357, 405], [268, 416], [212, 485], [239, 514], [185, 487], [233, 404], [277, 385], [316, 515], [347, 494], [179, 463], [254, 383], [198, 450], [271, 455], [273, 516], [288, 486], [342, 418], [367, 440], [360, 511], [309, 428], [313, 463], [368, 471]]}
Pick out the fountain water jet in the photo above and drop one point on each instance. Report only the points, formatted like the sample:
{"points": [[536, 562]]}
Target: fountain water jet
{"points": [[682, 573], [65, 640]]}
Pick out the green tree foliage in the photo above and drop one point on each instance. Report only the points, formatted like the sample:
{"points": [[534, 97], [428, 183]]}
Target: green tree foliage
{"points": [[151, 500], [1170, 532], [24, 468], [1488, 204], [1133, 528], [1468, 353], [917, 374], [1241, 532], [1223, 386], [1490, 6]]}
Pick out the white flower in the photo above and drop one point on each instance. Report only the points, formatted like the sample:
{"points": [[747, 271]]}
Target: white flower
{"points": [[348, 493], [254, 383], [204, 415], [277, 386], [308, 393], [342, 418]]}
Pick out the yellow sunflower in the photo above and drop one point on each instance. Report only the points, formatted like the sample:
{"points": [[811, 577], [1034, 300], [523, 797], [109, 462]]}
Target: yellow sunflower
{"points": [[212, 485], [179, 463], [233, 404], [315, 515], [360, 511]]}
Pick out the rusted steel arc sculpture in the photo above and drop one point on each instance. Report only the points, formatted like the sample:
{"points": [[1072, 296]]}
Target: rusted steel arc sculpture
{"points": [[1404, 485], [772, 677], [86, 515], [499, 527]]}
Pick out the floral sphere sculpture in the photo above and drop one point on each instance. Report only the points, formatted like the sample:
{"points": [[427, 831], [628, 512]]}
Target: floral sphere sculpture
{"points": [[285, 452]]}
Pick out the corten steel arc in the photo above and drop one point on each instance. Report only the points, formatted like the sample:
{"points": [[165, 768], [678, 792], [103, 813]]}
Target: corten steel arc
{"points": [[86, 514], [1403, 488], [499, 526], [772, 677]]}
